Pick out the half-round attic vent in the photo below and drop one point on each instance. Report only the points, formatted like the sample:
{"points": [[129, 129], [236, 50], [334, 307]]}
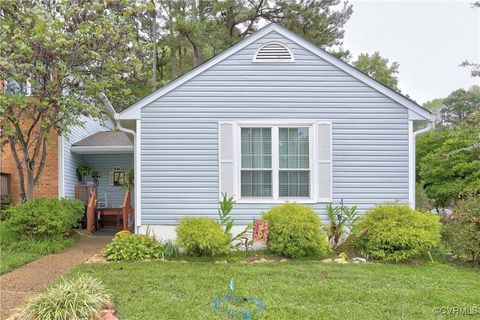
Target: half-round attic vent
{"points": [[273, 52]]}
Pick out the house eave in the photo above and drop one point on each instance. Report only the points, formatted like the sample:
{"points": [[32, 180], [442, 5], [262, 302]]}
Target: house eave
{"points": [[101, 149]]}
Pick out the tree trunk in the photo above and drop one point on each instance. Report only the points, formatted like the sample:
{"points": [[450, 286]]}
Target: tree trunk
{"points": [[19, 166], [155, 55]]}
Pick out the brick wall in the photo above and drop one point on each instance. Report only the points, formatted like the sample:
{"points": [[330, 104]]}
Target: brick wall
{"points": [[48, 184]]}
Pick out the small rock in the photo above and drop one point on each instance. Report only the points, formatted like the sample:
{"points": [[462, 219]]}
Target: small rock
{"points": [[326, 261], [356, 261], [183, 261], [14, 316], [96, 258], [263, 260], [360, 259], [283, 260], [163, 260], [109, 316], [243, 262], [221, 262]]}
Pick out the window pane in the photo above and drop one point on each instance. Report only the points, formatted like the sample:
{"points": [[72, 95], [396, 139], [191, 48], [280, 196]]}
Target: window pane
{"points": [[256, 147], [294, 184], [256, 183], [294, 148]]}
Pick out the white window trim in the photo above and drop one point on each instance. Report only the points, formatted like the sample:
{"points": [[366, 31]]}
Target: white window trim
{"points": [[313, 159]]}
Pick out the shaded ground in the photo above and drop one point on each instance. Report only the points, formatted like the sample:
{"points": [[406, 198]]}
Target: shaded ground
{"points": [[33, 277]]}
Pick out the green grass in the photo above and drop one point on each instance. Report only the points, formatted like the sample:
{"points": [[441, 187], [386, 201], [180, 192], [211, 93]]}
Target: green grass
{"points": [[15, 251], [292, 290]]}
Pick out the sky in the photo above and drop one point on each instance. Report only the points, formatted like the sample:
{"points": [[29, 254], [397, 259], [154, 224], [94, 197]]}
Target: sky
{"points": [[429, 39]]}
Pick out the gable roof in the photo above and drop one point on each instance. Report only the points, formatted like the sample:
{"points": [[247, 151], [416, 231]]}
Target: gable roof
{"points": [[133, 111], [102, 142]]}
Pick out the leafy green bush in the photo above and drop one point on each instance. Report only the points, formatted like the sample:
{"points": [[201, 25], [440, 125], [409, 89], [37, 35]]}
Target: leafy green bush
{"points": [[397, 232], [461, 231], [295, 231], [44, 217], [202, 237], [75, 299], [134, 247]]}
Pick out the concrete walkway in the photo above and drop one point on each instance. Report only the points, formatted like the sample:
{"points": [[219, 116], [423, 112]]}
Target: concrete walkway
{"points": [[17, 285]]}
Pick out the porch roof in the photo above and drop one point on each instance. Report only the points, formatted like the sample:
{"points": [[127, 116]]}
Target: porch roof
{"points": [[104, 142]]}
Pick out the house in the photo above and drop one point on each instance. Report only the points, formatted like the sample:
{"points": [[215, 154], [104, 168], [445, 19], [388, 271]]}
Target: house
{"points": [[271, 119]]}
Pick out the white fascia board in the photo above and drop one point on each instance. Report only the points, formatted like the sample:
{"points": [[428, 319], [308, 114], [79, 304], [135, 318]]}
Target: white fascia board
{"points": [[133, 112], [101, 149]]}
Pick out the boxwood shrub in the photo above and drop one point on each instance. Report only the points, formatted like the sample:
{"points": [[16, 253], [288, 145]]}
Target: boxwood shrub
{"points": [[44, 217], [295, 230], [397, 232], [202, 237], [461, 231]]}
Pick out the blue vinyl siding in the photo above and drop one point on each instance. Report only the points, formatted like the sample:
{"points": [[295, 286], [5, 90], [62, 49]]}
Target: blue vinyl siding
{"points": [[179, 132], [71, 160], [104, 165]]}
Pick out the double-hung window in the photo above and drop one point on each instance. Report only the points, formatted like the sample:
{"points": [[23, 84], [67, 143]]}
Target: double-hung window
{"points": [[275, 162]]}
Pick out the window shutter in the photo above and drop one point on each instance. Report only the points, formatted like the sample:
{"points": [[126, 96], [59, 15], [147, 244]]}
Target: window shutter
{"points": [[226, 141], [324, 162]]}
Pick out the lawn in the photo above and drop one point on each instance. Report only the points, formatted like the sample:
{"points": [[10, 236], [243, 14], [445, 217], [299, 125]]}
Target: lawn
{"points": [[15, 252], [291, 290]]}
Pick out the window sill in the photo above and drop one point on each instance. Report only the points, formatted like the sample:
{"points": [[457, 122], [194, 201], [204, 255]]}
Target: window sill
{"points": [[269, 201]]}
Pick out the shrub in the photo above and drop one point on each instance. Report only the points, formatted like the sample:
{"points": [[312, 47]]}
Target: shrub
{"points": [[133, 247], [461, 231], [123, 233], [78, 298], [44, 217], [202, 237], [295, 231], [397, 232]]}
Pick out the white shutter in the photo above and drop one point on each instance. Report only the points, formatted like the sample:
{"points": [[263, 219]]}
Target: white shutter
{"points": [[324, 162], [226, 141]]}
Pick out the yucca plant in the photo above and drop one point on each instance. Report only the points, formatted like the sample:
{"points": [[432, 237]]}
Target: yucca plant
{"points": [[226, 221], [74, 299]]}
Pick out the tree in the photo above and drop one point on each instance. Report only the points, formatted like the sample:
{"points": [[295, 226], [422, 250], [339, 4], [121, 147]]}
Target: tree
{"points": [[459, 105], [195, 30], [379, 69], [65, 53], [475, 66], [448, 162], [434, 105]]}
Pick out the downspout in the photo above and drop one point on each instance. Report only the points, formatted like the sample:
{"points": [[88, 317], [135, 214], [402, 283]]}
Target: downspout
{"points": [[116, 120], [413, 159], [114, 115]]}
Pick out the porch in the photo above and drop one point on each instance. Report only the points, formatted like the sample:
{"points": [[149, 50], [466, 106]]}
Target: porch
{"points": [[104, 167]]}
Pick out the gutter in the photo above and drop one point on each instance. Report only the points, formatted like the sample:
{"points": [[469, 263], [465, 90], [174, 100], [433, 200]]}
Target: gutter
{"points": [[114, 115], [429, 127], [412, 173]]}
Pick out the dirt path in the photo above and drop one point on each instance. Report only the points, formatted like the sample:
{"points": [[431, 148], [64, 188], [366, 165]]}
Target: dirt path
{"points": [[33, 277]]}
